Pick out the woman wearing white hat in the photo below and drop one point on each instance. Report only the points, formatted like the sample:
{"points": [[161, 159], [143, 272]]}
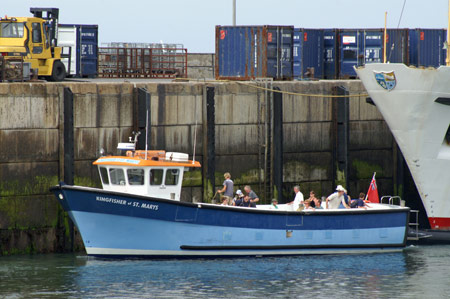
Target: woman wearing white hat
{"points": [[334, 200], [238, 199]]}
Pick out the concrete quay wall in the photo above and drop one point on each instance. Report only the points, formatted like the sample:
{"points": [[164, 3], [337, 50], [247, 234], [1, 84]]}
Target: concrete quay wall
{"points": [[201, 65], [31, 144]]}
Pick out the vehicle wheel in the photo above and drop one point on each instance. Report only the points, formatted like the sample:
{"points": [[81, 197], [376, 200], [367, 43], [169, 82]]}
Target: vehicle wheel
{"points": [[59, 71]]}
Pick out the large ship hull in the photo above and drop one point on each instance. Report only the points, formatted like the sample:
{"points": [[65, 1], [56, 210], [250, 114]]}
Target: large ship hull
{"points": [[416, 106], [115, 224]]}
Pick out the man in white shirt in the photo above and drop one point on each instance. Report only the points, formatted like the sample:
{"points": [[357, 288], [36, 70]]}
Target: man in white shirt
{"points": [[334, 200], [298, 200]]}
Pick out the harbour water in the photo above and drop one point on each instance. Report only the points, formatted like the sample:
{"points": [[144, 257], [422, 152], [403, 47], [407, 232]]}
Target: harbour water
{"points": [[418, 272]]}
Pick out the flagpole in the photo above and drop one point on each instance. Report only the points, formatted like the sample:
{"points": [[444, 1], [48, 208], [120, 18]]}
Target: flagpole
{"points": [[146, 135], [370, 185]]}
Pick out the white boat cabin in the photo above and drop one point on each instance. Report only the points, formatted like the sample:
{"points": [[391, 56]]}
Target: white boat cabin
{"points": [[149, 173]]}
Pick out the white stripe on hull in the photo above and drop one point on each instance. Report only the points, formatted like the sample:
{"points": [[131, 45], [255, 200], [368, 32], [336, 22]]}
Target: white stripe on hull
{"points": [[176, 253]]}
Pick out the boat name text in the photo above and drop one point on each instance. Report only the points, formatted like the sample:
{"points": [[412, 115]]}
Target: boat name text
{"points": [[111, 200], [134, 204]]}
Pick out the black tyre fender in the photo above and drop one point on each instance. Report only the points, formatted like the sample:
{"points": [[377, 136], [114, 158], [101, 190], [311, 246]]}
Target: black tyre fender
{"points": [[58, 72]]}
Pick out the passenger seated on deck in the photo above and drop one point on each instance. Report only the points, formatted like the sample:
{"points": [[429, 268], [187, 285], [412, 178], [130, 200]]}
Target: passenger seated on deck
{"points": [[274, 205], [334, 200], [317, 203], [253, 197], [312, 197], [359, 203], [224, 201], [307, 204], [297, 203], [247, 203], [238, 199], [346, 203]]}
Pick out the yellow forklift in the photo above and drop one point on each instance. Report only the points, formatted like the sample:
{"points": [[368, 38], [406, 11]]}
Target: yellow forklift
{"points": [[31, 41]]}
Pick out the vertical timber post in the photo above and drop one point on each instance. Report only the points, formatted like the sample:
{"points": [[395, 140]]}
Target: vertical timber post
{"points": [[341, 124], [399, 173], [209, 184], [143, 105], [69, 150], [278, 145]]}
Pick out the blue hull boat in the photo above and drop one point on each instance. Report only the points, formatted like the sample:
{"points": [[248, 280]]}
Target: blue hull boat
{"points": [[121, 225], [138, 213]]}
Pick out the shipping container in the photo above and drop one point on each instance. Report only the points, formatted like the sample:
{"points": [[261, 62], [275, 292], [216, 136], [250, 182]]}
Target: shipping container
{"points": [[79, 49], [308, 53], [351, 44], [358, 47], [330, 53], [426, 47], [397, 49], [249, 52]]}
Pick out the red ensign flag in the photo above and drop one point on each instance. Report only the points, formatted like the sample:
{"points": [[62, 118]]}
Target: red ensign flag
{"points": [[372, 194]]}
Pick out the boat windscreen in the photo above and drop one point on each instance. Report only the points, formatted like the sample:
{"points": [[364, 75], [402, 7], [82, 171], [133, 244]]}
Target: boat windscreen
{"points": [[135, 176], [104, 175], [172, 176], [117, 176]]}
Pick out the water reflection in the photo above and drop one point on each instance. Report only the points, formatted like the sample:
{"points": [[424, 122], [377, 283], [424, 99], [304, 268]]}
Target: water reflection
{"points": [[280, 277], [416, 272]]}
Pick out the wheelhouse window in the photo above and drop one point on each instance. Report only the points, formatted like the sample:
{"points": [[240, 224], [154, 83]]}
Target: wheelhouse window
{"points": [[104, 175], [156, 176], [172, 176], [117, 176], [135, 176], [11, 29]]}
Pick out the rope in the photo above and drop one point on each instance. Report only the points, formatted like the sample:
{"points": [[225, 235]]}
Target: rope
{"points": [[398, 26], [401, 14], [280, 91], [303, 94]]}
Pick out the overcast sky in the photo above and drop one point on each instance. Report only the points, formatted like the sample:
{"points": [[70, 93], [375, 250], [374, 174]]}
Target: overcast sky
{"points": [[192, 22]]}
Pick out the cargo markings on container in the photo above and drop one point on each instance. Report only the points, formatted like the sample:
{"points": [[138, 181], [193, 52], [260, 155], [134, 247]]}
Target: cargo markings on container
{"points": [[250, 52], [79, 45]]}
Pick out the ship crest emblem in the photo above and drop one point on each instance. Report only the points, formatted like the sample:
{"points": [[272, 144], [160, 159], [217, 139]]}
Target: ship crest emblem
{"points": [[386, 80]]}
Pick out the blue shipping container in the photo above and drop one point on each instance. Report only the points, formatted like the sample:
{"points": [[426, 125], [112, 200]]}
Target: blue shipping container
{"points": [[427, 47], [330, 55], [308, 53], [359, 47], [249, 52], [81, 43], [397, 46], [351, 44]]}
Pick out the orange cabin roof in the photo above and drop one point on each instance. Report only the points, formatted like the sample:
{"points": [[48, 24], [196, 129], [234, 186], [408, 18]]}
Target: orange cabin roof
{"points": [[154, 158]]}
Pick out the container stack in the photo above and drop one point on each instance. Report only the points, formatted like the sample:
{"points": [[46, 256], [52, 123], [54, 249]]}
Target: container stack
{"points": [[308, 53], [250, 52], [285, 53]]}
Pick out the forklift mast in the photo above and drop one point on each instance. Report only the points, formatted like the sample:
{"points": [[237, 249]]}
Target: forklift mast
{"points": [[51, 15]]}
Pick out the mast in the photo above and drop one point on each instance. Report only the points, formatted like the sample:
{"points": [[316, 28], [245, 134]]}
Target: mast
{"points": [[385, 37]]}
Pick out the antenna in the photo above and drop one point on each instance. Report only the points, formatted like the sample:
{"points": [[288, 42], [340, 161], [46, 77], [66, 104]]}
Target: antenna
{"points": [[146, 134], [195, 131]]}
